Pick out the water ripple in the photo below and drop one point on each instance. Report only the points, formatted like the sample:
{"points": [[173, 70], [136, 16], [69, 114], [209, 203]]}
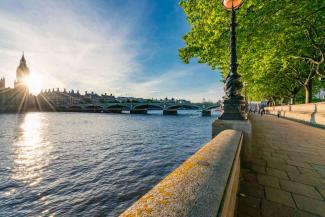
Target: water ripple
{"points": [[70, 164]]}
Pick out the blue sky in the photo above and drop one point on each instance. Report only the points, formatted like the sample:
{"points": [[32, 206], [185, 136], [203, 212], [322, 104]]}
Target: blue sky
{"points": [[120, 47]]}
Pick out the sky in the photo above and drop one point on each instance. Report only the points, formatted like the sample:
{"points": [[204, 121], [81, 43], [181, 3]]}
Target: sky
{"points": [[127, 48]]}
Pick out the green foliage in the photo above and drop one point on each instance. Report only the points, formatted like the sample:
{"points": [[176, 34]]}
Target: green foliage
{"points": [[280, 44]]}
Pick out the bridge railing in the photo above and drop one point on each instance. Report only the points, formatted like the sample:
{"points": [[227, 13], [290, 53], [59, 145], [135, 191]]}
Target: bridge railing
{"points": [[106, 107], [311, 113], [204, 185]]}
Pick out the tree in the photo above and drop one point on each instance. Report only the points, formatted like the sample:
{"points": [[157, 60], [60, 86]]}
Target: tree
{"points": [[274, 40]]}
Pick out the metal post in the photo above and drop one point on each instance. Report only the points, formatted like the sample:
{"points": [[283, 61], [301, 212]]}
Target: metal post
{"points": [[233, 101]]}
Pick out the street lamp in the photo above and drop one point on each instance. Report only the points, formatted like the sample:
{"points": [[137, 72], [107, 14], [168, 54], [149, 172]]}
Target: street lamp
{"points": [[233, 100], [245, 94]]}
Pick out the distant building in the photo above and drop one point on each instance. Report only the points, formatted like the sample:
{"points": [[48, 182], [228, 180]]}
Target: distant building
{"points": [[2, 83], [107, 98], [21, 73], [17, 99]]}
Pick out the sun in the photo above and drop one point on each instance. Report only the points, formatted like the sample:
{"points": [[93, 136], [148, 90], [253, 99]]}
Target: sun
{"points": [[34, 83]]}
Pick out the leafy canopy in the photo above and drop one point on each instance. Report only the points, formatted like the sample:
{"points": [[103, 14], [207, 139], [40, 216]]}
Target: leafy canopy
{"points": [[273, 38]]}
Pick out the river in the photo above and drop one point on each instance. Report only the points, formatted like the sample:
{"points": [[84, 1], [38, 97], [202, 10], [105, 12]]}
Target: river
{"points": [[82, 164]]}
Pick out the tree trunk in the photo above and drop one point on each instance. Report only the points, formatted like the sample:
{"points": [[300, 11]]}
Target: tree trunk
{"points": [[308, 91], [281, 100]]}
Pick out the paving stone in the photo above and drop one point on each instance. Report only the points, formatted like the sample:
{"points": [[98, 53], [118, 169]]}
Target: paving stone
{"points": [[248, 206], [274, 159], [320, 169], [265, 154], [281, 156], [241, 214], [272, 209], [282, 166], [291, 169], [251, 189], [266, 180], [321, 191], [249, 201], [277, 173], [291, 151], [308, 159], [307, 179], [258, 169], [306, 171], [299, 188], [299, 164], [260, 162], [249, 176], [279, 196], [310, 205]]}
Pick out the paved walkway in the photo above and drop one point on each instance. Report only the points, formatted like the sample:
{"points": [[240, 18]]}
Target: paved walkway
{"points": [[285, 174]]}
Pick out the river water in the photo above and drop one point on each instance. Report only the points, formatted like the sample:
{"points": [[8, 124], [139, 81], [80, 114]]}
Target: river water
{"points": [[79, 164]]}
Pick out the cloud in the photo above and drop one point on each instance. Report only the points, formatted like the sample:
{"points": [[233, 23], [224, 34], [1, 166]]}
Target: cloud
{"points": [[85, 45], [186, 81], [68, 48]]}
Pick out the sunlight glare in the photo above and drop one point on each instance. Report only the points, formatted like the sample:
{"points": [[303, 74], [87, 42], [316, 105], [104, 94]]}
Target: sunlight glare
{"points": [[34, 83], [32, 150]]}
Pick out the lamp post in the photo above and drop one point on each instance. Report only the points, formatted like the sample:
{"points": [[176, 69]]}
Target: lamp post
{"points": [[233, 100], [245, 94]]}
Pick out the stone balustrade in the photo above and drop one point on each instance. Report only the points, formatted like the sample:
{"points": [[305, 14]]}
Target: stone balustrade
{"points": [[204, 185], [312, 113]]}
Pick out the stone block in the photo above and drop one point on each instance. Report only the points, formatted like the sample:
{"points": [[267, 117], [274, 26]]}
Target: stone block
{"points": [[244, 210], [269, 181], [272, 209], [321, 191], [258, 169], [310, 205], [249, 201], [251, 189], [320, 169], [299, 188], [277, 173], [244, 126], [312, 113], [299, 164], [274, 160], [281, 156], [279, 196], [284, 167], [307, 179], [310, 172], [260, 162], [248, 176]]}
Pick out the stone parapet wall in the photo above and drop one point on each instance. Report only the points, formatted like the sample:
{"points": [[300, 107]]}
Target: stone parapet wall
{"points": [[312, 113], [204, 185]]}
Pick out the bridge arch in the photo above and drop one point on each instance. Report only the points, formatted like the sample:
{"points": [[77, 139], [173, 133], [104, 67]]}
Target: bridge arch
{"points": [[117, 106], [212, 107], [149, 107], [93, 108], [61, 108], [75, 108], [187, 107]]}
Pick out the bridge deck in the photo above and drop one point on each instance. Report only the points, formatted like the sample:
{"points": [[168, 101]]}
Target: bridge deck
{"points": [[285, 175]]}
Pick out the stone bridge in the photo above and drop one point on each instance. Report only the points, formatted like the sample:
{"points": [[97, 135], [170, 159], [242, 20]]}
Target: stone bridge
{"points": [[139, 108]]}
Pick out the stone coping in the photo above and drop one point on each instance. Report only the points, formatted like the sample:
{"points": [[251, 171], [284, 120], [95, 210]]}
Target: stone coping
{"points": [[311, 113], [197, 187]]}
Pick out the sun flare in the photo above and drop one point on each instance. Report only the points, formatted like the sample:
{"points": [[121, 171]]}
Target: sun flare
{"points": [[34, 83]]}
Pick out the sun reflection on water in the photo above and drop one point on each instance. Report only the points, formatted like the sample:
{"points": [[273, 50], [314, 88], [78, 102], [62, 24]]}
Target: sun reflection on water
{"points": [[32, 150]]}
